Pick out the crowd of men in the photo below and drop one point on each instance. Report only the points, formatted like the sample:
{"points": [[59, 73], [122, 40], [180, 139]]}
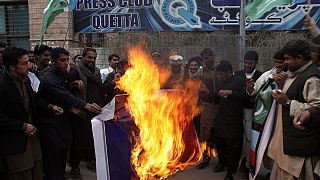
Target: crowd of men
{"points": [[47, 103]]}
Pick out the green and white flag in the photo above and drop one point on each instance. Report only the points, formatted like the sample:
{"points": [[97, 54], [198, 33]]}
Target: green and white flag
{"points": [[257, 8], [54, 7]]}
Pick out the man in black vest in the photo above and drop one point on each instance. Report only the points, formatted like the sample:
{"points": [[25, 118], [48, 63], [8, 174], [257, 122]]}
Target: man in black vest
{"points": [[296, 151]]}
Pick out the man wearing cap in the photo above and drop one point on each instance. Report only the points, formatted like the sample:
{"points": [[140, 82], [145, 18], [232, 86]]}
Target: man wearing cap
{"points": [[228, 128], [157, 59], [176, 77]]}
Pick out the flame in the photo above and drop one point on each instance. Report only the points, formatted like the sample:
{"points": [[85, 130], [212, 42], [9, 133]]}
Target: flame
{"points": [[211, 152], [164, 119]]}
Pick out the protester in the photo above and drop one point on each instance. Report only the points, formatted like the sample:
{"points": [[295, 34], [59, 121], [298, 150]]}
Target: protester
{"points": [[86, 84], [56, 131], [209, 108], [296, 152], [43, 59], [109, 85], [263, 116], [113, 60], [157, 59], [228, 128], [249, 73], [76, 60], [176, 77], [31, 57], [19, 120]]}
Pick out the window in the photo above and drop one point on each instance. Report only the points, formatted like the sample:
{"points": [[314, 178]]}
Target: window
{"points": [[14, 23]]}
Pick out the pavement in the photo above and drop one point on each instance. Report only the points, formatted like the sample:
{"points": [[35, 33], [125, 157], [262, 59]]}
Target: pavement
{"points": [[188, 174]]}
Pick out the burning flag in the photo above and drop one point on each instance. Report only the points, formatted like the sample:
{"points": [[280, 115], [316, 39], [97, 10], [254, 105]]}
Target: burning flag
{"points": [[167, 141]]}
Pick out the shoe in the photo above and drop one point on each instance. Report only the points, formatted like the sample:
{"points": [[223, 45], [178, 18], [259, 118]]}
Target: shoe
{"points": [[228, 177], [203, 165], [74, 174], [218, 168]]}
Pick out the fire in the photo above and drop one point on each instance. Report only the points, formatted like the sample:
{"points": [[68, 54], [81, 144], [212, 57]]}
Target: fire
{"points": [[167, 141], [211, 152]]}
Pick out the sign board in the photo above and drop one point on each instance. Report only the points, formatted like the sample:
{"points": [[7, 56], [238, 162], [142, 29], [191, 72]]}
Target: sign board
{"points": [[183, 15]]}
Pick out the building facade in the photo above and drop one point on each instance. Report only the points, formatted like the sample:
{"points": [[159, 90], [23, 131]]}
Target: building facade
{"points": [[20, 25]]}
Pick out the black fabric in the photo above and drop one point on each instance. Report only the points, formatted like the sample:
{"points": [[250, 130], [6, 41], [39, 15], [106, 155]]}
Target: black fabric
{"points": [[2, 70], [228, 122], [297, 142], [242, 75], [3, 174], [314, 113], [81, 126], [82, 141], [229, 152], [13, 115], [53, 88], [94, 77], [54, 159], [41, 72]]}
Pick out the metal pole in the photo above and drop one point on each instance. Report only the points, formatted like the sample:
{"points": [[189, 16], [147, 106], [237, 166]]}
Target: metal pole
{"points": [[242, 34]]}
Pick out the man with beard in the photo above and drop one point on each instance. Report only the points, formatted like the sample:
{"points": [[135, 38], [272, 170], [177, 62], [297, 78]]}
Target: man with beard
{"points": [[249, 71], [228, 128], [176, 77], [248, 74], [56, 131], [86, 84], [43, 58], [295, 151]]}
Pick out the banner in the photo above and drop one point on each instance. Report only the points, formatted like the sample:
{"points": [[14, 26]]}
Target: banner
{"points": [[183, 15]]}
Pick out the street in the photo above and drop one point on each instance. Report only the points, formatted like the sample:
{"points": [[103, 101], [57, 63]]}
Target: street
{"points": [[188, 174]]}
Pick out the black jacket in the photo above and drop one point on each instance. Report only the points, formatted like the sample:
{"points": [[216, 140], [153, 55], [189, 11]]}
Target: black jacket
{"points": [[228, 122], [13, 115], [53, 89], [242, 74]]}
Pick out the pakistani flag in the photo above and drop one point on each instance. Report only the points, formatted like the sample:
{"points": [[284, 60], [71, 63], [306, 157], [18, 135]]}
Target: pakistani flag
{"points": [[54, 7], [257, 8]]}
